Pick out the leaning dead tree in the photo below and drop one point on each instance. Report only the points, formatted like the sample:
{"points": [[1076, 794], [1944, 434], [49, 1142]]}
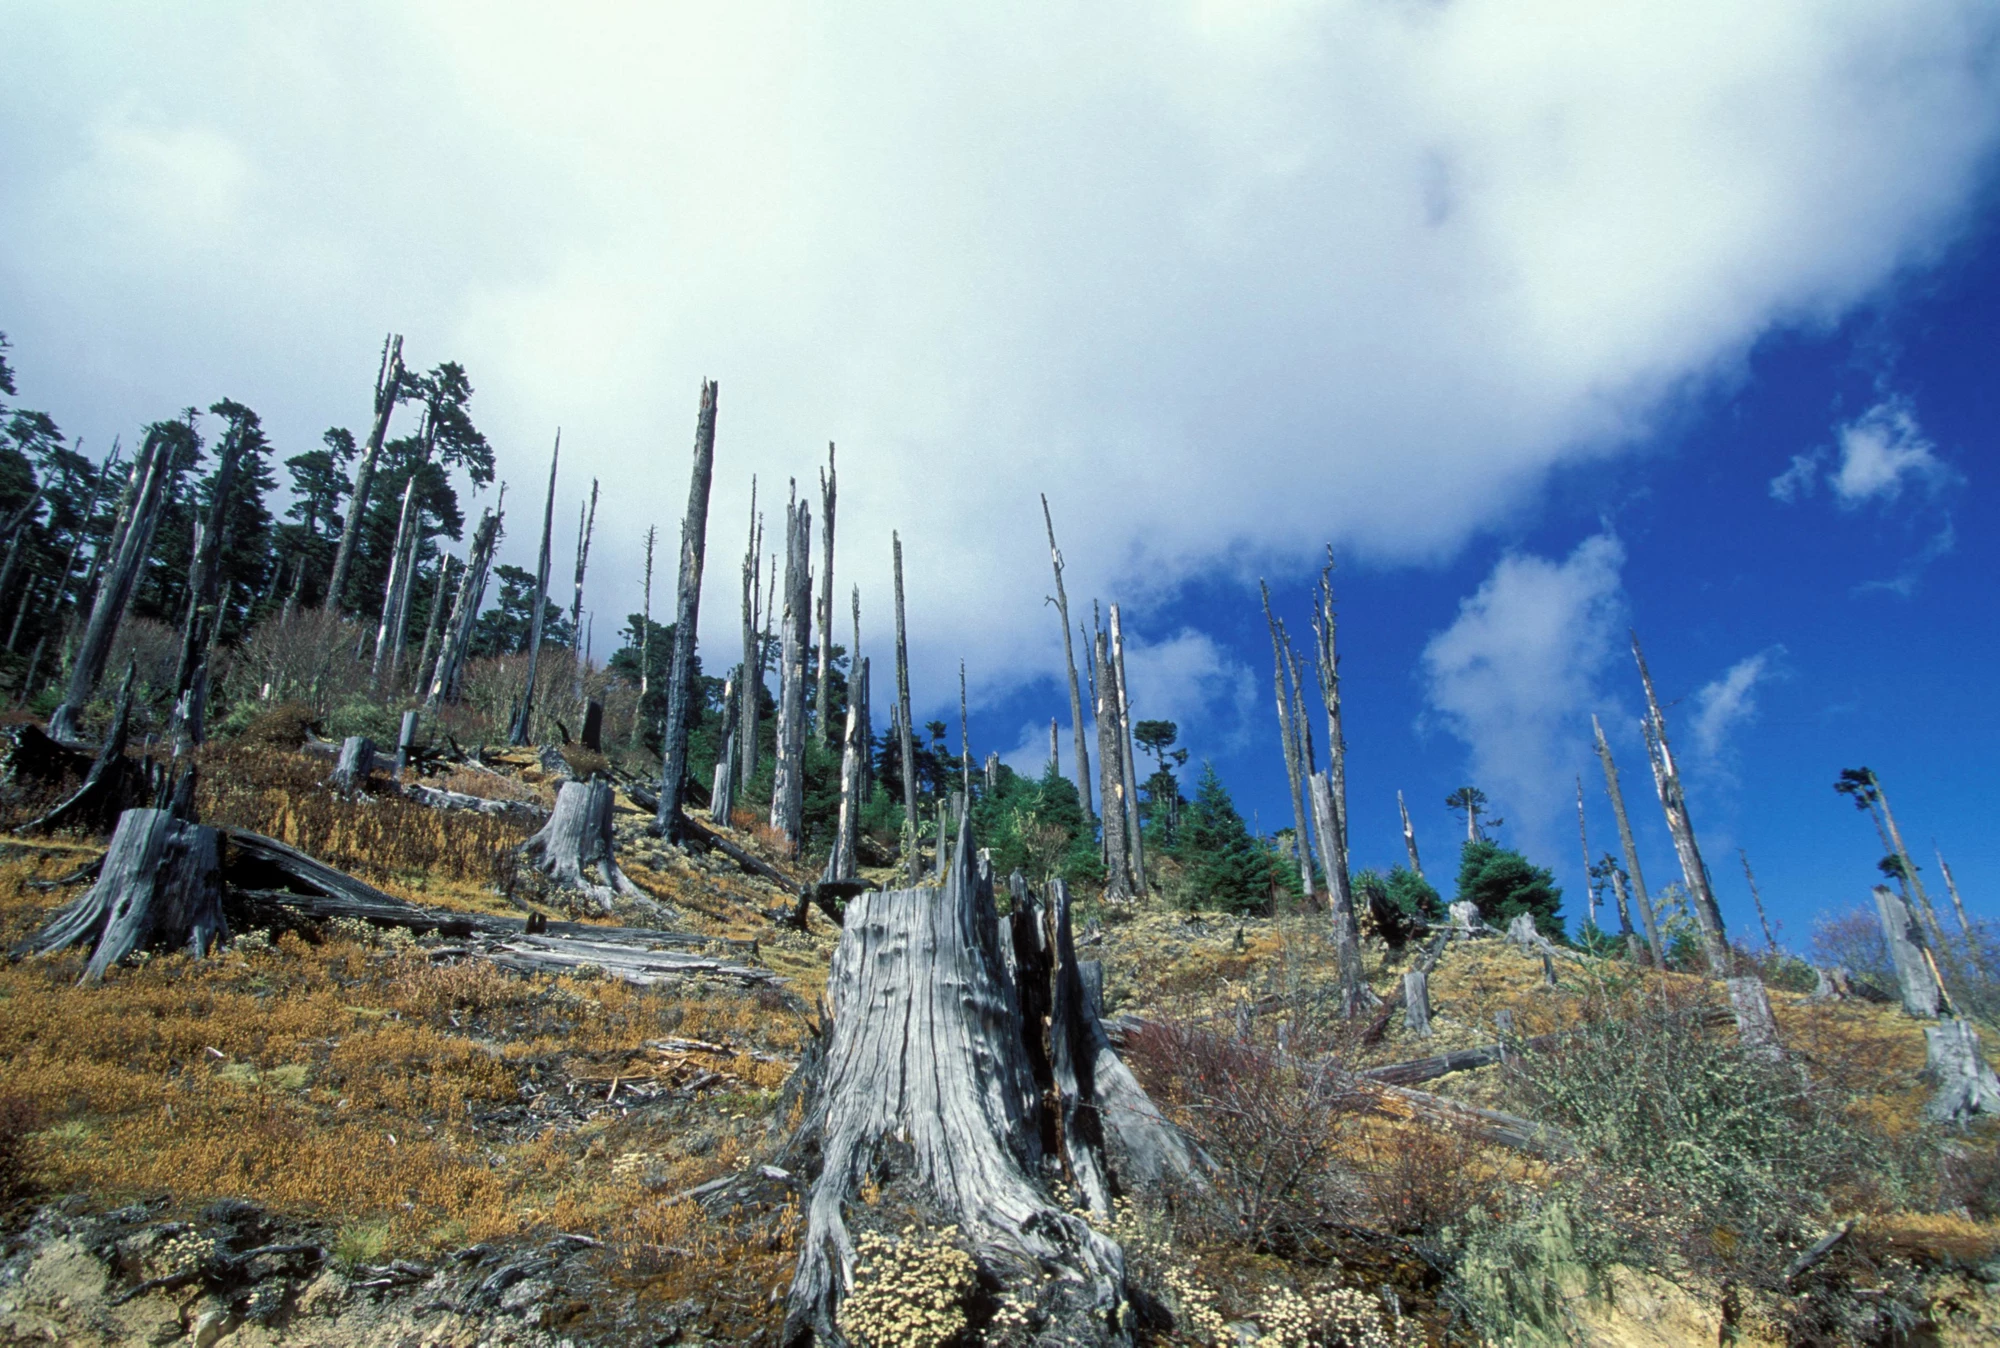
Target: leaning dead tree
{"points": [[823, 689], [1627, 843], [131, 542], [1916, 975], [939, 1089], [1288, 742], [1673, 800], [576, 844], [1409, 838], [205, 574], [1061, 602], [788, 782], [687, 612], [524, 712], [1128, 767], [465, 612], [906, 749], [395, 587], [388, 392], [1329, 802], [114, 783]]}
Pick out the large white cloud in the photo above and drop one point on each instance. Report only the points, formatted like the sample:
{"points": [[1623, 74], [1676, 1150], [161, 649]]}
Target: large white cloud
{"points": [[1224, 280]]}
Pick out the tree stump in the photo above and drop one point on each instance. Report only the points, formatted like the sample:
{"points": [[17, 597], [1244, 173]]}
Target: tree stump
{"points": [[1914, 978], [406, 743], [578, 839], [160, 888], [1465, 919], [930, 1087], [1754, 1022], [356, 761], [1417, 1003], [1966, 1084]]}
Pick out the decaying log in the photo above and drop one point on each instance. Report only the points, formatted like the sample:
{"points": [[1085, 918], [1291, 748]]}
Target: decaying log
{"points": [[578, 839], [1488, 1125], [159, 888], [356, 762], [1966, 1084], [1751, 1005], [440, 799], [1919, 986], [927, 1087]]}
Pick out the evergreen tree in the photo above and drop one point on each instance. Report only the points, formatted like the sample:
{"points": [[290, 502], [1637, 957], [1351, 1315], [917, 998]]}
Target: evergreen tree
{"points": [[503, 629], [1226, 867], [1502, 883]]}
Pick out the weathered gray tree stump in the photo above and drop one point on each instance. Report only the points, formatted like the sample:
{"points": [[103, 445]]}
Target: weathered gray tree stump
{"points": [[931, 1085], [406, 742], [160, 888], [1966, 1084], [578, 839], [1417, 1003], [1754, 1022], [1465, 919], [1914, 978], [356, 761]]}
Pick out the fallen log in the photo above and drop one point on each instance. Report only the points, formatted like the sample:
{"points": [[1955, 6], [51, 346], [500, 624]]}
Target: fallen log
{"points": [[1487, 1125], [440, 799]]}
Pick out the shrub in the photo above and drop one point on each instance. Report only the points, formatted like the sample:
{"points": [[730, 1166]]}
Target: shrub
{"points": [[283, 726], [908, 1293], [18, 1118]]}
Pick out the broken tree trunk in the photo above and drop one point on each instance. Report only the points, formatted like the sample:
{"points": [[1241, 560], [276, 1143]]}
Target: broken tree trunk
{"points": [[906, 749], [1294, 768], [434, 625], [927, 1092], [578, 839], [687, 612], [1082, 764], [722, 788], [586, 525], [1673, 800], [1903, 855], [160, 887], [750, 682], [388, 392], [1417, 1002], [823, 688], [857, 695], [1635, 946], [1346, 926], [389, 626], [843, 863], [524, 713], [1117, 854], [646, 639], [464, 612], [1914, 977], [1409, 838], [114, 783], [151, 472], [1770, 941], [356, 761], [1754, 1022], [406, 742], [1965, 1081], [205, 575], [1325, 630], [1128, 766], [1627, 844], [788, 780]]}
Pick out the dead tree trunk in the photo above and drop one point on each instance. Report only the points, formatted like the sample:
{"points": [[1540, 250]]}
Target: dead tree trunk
{"points": [[1287, 741], [751, 682], [205, 576], [1627, 844], [927, 1090], [1117, 855], [964, 737], [1055, 748], [1417, 1002], [114, 783], [843, 864], [823, 688], [1667, 780], [434, 625], [1069, 661], [1583, 840], [388, 392], [1325, 629], [390, 625], [1754, 1022], [788, 780], [586, 525], [1914, 975], [1966, 1084], [1770, 941], [524, 714], [1128, 766], [577, 840], [722, 788], [406, 742], [646, 642], [1903, 855], [1635, 946], [356, 762], [906, 742], [160, 887], [1409, 838], [151, 471], [465, 612], [858, 692], [1346, 927], [687, 612]]}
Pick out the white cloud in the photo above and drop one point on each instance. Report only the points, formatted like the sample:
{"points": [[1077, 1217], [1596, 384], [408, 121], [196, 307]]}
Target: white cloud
{"points": [[1730, 701], [1515, 676], [1882, 449], [1225, 281], [1797, 481]]}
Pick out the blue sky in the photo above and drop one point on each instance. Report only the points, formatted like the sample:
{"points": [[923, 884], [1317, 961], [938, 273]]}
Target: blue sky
{"points": [[1523, 308]]}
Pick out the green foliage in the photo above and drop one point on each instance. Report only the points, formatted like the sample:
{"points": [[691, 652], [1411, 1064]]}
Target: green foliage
{"points": [[1414, 895], [1035, 826], [1226, 867], [1502, 883]]}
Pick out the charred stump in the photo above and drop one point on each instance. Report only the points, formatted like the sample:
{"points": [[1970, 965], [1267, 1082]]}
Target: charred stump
{"points": [[160, 887], [930, 1089], [577, 840]]}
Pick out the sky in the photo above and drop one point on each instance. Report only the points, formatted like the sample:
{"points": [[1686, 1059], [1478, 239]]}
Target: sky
{"points": [[1553, 320]]}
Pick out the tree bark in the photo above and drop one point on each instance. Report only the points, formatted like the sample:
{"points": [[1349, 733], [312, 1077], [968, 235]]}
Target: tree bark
{"points": [[1082, 764], [751, 681], [465, 612], [151, 470], [788, 780], [1354, 993], [823, 688], [159, 888], [1918, 984], [906, 743], [524, 715], [1294, 768], [578, 839], [388, 391], [843, 863], [1667, 779], [687, 612], [928, 1087], [1127, 759], [1627, 844], [1117, 854], [722, 791]]}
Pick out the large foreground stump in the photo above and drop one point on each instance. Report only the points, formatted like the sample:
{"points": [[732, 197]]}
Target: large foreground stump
{"points": [[577, 840], [1966, 1084], [930, 1089], [160, 888]]}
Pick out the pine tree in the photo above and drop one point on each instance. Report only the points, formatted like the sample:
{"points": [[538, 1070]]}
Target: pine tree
{"points": [[1226, 867], [1503, 884]]}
